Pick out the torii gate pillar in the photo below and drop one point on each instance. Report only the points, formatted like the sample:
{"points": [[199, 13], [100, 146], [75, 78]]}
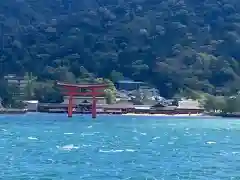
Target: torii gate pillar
{"points": [[70, 105], [73, 90], [94, 104]]}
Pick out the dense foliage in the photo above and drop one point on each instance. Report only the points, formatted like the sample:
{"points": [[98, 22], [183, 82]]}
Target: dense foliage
{"points": [[172, 44], [45, 92], [220, 104]]}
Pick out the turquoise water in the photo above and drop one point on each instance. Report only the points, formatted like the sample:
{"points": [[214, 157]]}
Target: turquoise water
{"points": [[52, 147]]}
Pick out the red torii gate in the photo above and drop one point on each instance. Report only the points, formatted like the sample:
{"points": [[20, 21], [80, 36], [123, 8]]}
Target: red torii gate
{"points": [[73, 90]]}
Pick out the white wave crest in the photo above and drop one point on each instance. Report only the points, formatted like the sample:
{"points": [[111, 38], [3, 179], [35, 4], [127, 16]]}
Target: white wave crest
{"points": [[116, 150], [68, 133], [32, 138], [211, 142], [68, 147]]}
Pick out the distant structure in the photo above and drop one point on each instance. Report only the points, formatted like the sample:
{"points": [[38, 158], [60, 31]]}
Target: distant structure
{"points": [[189, 104], [20, 82], [137, 92], [31, 105], [129, 85], [72, 90]]}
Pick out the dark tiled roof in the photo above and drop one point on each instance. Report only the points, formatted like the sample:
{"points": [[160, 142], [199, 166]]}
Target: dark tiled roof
{"points": [[159, 105], [55, 105], [130, 82], [116, 106]]}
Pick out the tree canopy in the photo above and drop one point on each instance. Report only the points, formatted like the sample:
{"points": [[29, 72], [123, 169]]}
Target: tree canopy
{"points": [[222, 104], [173, 45]]}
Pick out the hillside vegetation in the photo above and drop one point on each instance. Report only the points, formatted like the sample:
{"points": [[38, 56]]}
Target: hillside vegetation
{"points": [[172, 44]]}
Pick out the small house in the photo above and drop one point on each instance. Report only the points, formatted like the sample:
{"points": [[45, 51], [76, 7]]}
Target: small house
{"points": [[32, 105]]}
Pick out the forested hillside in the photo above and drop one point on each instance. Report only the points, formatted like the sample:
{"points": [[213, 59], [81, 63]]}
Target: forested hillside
{"points": [[172, 44]]}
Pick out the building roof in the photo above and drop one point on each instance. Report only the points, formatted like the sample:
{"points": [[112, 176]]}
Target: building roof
{"points": [[130, 82], [31, 101], [169, 108], [14, 78], [56, 105], [53, 105], [116, 106], [84, 97], [159, 104], [142, 107]]}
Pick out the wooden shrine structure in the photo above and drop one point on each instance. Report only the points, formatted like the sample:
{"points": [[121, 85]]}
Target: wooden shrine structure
{"points": [[92, 90]]}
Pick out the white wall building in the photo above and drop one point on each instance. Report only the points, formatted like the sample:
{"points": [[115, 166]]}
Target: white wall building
{"points": [[189, 104], [31, 105]]}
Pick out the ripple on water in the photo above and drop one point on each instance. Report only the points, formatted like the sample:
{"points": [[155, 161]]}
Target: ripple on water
{"points": [[68, 147], [157, 137], [89, 134], [144, 148], [111, 151], [68, 133], [32, 138], [211, 142], [116, 150]]}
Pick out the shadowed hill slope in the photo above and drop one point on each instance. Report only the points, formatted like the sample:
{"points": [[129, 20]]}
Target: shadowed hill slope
{"points": [[173, 45]]}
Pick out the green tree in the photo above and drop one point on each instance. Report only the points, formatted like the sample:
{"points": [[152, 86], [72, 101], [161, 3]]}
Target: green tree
{"points": [[173, 46], [116, 76], [8, 94], [47, 93], [110, 96], [29, 89], [110, 91], [213, 103], [232, 104]]}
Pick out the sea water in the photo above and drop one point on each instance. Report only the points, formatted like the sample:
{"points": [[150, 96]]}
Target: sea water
{"points": [[53, 147]]}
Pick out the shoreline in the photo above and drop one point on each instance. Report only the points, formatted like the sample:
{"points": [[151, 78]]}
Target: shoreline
{"points": [[168, 115], [10, 111]]}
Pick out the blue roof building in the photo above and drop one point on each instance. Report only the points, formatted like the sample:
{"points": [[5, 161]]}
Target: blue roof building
{"points": [[129, 85]]}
